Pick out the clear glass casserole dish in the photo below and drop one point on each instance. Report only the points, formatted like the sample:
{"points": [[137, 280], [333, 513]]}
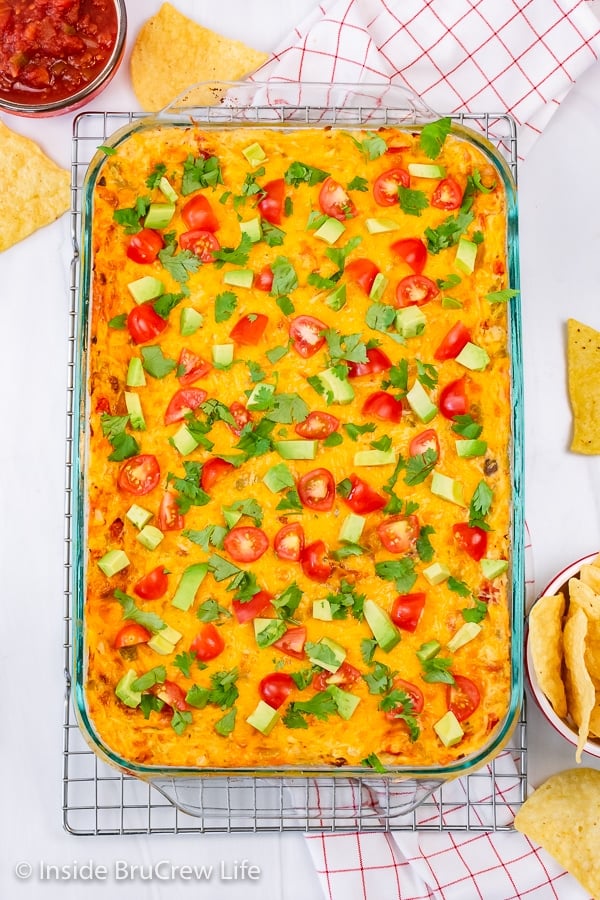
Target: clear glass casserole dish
{"points": [[293, 108]]}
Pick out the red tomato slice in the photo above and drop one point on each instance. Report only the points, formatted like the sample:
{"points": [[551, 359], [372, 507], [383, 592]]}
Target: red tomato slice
{"points": [[453, 343], [453, 398], [171, 694], [472, 539], [315, 562], [144, 324], [345, 676], [249, 329], [182, 402], [213, 470], [154, 585], [191, 367], [362, 272], [316, 489], [426, 440], [377, 361], [384, 406], [288, 543], [275, 688], [241, 416], [246, 543], [169, 515], [263, 280], [144, 246], [272, 203], [292, 642], [130, 635], [413, 251], [462, 697], [198, 214], [245, 612], [385, 188], [139, 474], [335, 201], [317, 426], [103, 405], [306, 335], [201, 242], [361, 498], [447, 195], [416, 695], [208, 643], [415, 290], [398, 533], [407, 609]]}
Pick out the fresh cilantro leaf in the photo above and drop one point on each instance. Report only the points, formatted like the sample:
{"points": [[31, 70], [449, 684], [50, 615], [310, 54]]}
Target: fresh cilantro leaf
{"points": [[181, 720], [130, 218], [245, 586], [423, 544], [354, 431], [226, 724], [155, 362], [147, 620], [119, 323], [466, 426], [477, 237], [285, 305], [276, 353], [401, 706], [184, 662], [459, 587], [475, 613], [256, 440], [250, 187], [209, 536], [380, 679], [288, 206], [333, 440], [394, 505], [271, 234], [288, 408], [348, 549], [384, 443], [322, 705], [321, 654], [346, 599], [368, 646], [288, 601], [290, 502], [108, 151], [315, 220], [275, 629], [200, 173], [210, 611], [397, 377], [427, 374], [358, 183], [197, 696], [256, 373], [113, 425], [420, 466], [437, 670], [447, 283], [223, 690], [448, 233], [149, 703], [153, 180], [248, 507], [400, 571], [433, 136], [304, 677], [124, 447], [324, 284], [380, 316], [346, 347], [502, 296], [157, 675], [371, 147], [339, 255], [480, 505], [262, 398], [294, 719], [222, 568], [298, 172], [284, 277], [412, 202], [216, 411], [280, 477], [225, 304], [164, 304], [237, 256], [180, 265], [372, 761]]}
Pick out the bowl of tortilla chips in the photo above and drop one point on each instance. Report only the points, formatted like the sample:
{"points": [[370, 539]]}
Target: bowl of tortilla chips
{"points": [[563, 654]]}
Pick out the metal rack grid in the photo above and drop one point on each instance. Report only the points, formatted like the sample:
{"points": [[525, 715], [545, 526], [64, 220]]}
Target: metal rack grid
{"points": [[99, 800]]}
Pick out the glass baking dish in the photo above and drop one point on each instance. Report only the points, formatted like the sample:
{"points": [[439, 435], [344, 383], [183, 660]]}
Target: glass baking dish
{"points": [[294, 106]]}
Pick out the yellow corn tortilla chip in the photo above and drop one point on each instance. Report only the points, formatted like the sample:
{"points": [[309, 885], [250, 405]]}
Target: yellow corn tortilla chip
{"points": [[590, 575], [563, 816], [35, 191], [546, 644], [172, 52], [582, 596], [583, 372], [592, 651], [595, 717], [581, 695]]}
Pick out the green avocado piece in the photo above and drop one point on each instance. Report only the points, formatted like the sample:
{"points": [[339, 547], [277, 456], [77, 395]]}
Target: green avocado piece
{"points": [[145, 288], [466, 255], [384, 631], [150, 537], [473, 357], [330, 230], [124, 692], [346, 702], [135, 373], [242, 278], [134, 408], [190, 320], [470, 448], [492, 568], [410, 321], [447, 488], [448, 729], [113, 561], [352, 528], [252, 228], [263, 718], [138, 516], [327, 654], [465, 633], [183, 441], [426, 170], [159, 215], [375, 458], [340, 388], [296, 449], [321, 610], [222, 355], [420, 403], [189, 583]]}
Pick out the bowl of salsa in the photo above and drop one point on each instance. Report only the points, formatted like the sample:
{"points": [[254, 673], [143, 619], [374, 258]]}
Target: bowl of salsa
{"points": [[56, 55]]}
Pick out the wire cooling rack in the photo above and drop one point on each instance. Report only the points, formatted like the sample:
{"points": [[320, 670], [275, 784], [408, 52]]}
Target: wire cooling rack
{"points": [[99, 800]]}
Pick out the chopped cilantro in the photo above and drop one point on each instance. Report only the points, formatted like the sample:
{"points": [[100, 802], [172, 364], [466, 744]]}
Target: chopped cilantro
{"points": [[322, 705], [480, 505], [130, 217], [475, 613], [420, 466], [154, 676], [354, 431], [298, 172], [184, 662], [433, 136], [226, 724], [436, 669], [249, 507], [274, 630], [448, 233], [165, 303], [288, 601], [288, 408], [304, 677], [209, 536], [368, 646], [180, 265], [222, 568], [285, 305], [119, 323], [371, 147], [412, 202], [448, 282], [423, 544], [466, 426], [181, 720], [290, 502], [225, 304], [372, 761], [153, 180], [124, 445], [237, 256], [147, 620], [276, 353], [358, 183], [211, 611], [271, 234], [380, 316], [400, 571], [427, 374], [200, 173], [284, 277], [346, 600], [502, 296], [188, 487], [155, 362], [459, 587]]}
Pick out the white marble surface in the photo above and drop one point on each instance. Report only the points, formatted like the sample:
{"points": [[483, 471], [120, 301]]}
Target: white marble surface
{"points": [[560, 257]]}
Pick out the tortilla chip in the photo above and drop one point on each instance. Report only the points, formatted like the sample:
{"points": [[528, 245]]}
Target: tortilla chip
{"points": [[590, 575], [582, 596], [581, 695], [592, 651], [172, 52], [563, 816], [583, 371], [595, 717], [35, 191], [546, 644]]}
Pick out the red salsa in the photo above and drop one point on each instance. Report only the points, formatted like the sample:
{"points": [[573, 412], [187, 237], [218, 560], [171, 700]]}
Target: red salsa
{"points": [[51, 49]]}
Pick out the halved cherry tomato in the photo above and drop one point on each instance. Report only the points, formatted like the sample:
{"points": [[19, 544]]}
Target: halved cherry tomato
{"points": [[315, 562], [288, 543], [385, 188], [171, 694], [144, 323], [317, 426], [472, 539], [447, 195], [453, 398], [414, 693], [426, 440], [462, 697], [245, 612], [246, 543], [271, 204], [263, 280], [154, 585], [306, 335], [198, 214], [139, 474], [335, 201], [453, 343], [384, 406], [406, 610], [292, 642], [169, 514], [345, 676], [361, 498], [144, 246], [213, 470], [208, 643], [241, 416], [201, 242], [415, 290], [191, 367], [316, 489], [182, 402], [130, 635], [413, 251], [398, 533], [249, 329], [275, 688], [377, 361], [362, 271]]}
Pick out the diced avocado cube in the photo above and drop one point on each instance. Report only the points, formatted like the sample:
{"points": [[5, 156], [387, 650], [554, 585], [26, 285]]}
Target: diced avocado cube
{"points": [[189, 583], [426, 170], [167, 189], [190, 320], [420, 403], [170, 634], [381, 225], [252, 228], [267, 631], [159, 215], [135, 373], [260, 396], [436, 573], [112, 562], [145, 288], [138, 516], [222, 355], [451, 303], [321, 610], [296, 449], [466, 255], [150, 537], [242, 278], [468, 449], [380, 282], [375, 458], [124, 692], [473, 357], [493, 568], [410, 321], [337, 390], [448, 729], [384, 631], [263, 718], [184, 441], [465, 633], [447, 488], [255, 154], [352, 528], [327, 654], [278, 477], [330, 231], [337, 298], [428, 650], [134, 408], [160, 644], [346, 702]]}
